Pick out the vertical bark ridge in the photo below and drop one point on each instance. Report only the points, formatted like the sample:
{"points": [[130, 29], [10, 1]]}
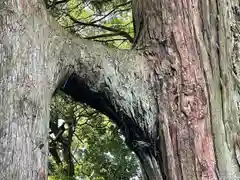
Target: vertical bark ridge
{"points": [[235, 57], [223, 111]]}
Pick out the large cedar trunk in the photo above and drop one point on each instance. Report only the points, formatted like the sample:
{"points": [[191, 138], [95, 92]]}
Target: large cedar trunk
{"points": [[174, 96], [189, 47]]}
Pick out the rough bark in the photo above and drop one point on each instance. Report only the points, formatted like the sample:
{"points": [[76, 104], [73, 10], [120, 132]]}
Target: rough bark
{"points": [[174, 99], [189, 45]]}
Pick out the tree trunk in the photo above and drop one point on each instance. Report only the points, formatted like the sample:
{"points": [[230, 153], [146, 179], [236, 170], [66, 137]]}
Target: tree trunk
{"points": [[174, 97], [27, 79], [189, 46]]}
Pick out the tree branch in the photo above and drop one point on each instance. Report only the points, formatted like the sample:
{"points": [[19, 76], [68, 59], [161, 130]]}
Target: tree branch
{"points": [[122, 33], [114, 9], [102, 75], [103, 36]]}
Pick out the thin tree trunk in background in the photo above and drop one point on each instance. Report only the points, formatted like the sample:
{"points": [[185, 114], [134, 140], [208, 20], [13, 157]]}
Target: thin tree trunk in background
{"points": [[174, 99]]}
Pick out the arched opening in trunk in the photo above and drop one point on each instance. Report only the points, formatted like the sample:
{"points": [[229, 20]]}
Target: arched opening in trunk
{"points": [[83, 142]]}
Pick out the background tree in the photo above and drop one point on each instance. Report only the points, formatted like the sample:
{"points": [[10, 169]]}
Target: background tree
{"points": [[84, 143], [174, 97]]}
